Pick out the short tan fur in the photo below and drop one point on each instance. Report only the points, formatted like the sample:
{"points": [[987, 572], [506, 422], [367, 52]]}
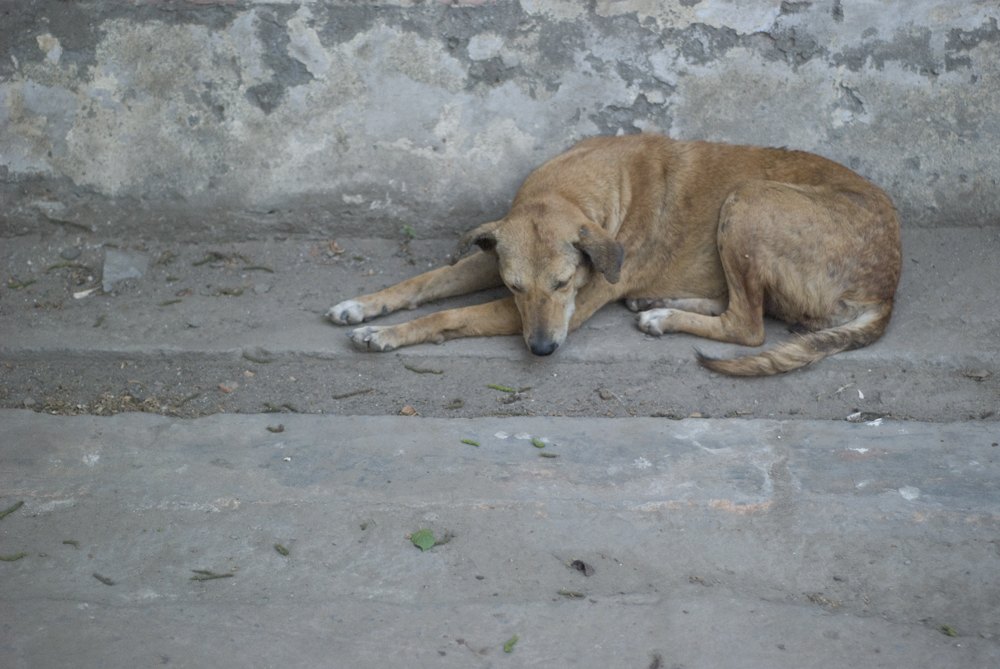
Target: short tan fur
{"points": [[700, 237]]}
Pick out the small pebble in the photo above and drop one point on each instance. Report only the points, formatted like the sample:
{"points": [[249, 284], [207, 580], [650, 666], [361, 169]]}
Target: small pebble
{"points": [[28, 402], [907, 562], [70, 253], [605, 394]]}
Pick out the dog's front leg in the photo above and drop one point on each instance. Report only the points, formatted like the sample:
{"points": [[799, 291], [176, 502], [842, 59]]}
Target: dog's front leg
{"points": [[591, 297], [482, 320], [477, 272]]}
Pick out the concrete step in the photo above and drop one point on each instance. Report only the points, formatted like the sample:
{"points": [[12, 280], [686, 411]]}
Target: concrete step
{"points": [[752, 543], [258, 307]]}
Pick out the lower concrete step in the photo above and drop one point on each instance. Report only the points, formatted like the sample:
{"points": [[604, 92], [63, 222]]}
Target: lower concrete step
{"points": [[643, 543]]}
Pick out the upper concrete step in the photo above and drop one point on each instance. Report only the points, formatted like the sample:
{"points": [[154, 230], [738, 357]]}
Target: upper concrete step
{"points": [[223, 308], [273, 294]]}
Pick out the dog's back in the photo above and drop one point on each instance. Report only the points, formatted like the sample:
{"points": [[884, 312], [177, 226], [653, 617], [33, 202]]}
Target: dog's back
{"points": [[784, 233], [767, 231]]}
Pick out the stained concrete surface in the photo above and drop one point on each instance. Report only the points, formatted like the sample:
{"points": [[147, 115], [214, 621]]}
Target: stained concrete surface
{"points": [[780, 536], [712, 542], [248, 318], [256, 162]]}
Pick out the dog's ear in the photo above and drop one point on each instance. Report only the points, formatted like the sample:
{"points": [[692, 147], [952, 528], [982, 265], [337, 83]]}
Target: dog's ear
{"points": [[604, 251], [484, 237]]}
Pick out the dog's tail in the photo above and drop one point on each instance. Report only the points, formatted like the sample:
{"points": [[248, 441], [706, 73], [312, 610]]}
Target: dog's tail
{"points": [[808, 348]]}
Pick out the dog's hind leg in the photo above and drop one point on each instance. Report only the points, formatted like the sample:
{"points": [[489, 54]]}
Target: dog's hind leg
{"points": [[822, 256], [499, 317], [753, 213], [741, 323], [476, 272], [770, 239]]}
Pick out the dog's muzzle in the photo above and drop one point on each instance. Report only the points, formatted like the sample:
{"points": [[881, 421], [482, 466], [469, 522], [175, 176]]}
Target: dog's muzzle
{"points": [[542, 345]]}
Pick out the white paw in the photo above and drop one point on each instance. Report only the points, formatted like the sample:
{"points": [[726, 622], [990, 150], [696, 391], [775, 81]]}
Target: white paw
{"points": [[347, 312], [371, 338], [654, 321]]}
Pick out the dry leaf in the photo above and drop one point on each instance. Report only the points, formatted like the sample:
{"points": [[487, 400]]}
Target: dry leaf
{"points": [[408, 411]]}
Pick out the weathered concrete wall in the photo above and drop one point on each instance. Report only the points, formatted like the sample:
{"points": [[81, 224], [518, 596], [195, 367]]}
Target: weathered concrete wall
{"points": [[331, 117]]}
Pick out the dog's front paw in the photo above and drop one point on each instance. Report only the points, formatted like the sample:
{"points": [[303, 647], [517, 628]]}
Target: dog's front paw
{"points": [[372, 338], [347, 312], [656, 321]]}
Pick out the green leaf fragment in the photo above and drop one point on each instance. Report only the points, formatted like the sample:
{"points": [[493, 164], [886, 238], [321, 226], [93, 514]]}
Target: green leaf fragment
{"points": [[470, 442], [423, 539], [206, 575], [281, 549], [505, 389], [572, 594], [103, 579], [423, 370], [538, 444], [509, 646], [7, 512]]}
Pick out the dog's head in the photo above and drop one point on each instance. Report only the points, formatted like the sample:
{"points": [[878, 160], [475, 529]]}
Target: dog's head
{"points": [[547, 252]]}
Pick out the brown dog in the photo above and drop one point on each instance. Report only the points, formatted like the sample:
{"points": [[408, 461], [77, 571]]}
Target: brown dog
{"points": [[702, 238]]}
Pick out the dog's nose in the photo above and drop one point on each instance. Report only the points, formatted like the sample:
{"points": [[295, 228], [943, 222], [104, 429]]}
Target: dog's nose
{"points": [[542, 346]]}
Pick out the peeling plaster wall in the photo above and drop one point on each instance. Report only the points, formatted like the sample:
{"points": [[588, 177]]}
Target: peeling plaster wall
{"points": [[194, 119]]}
